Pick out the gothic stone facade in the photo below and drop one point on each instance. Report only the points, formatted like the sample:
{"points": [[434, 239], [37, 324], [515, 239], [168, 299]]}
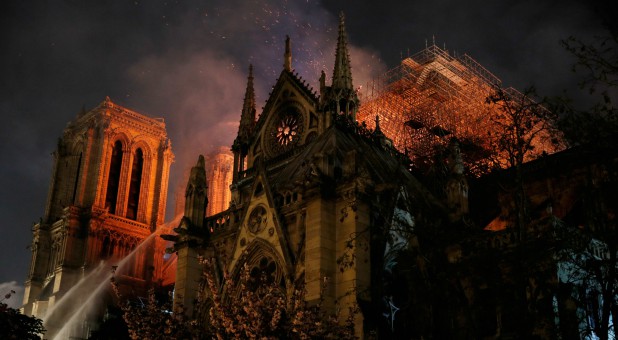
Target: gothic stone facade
{"points": [[312, 191]]}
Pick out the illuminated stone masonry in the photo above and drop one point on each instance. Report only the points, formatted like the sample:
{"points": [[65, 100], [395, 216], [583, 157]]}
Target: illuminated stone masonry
{"points": [[219, 166]]}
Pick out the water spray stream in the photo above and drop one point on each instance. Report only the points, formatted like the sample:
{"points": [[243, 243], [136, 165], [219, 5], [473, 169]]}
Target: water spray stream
{"points": [[78, 289], [83, 301]]}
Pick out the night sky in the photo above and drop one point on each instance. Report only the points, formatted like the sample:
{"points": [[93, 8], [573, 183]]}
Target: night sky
{"points": [[186, 61]]}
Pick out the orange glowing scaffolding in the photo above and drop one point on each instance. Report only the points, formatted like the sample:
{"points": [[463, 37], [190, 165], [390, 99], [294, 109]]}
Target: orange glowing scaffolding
{"points": [[431, 95], [430, 98]]}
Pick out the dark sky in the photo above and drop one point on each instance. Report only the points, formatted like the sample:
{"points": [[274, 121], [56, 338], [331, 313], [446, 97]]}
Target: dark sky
{"points": [[186, 61]]}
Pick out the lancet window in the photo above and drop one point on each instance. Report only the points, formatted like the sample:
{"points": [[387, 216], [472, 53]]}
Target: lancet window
{"points": [[136, 181], [77, 173], [113, 180]]}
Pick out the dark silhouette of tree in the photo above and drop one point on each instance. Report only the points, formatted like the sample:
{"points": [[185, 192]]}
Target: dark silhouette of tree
{"points": [[597, 63], [589, 260], [523, 125], [15, 325]]}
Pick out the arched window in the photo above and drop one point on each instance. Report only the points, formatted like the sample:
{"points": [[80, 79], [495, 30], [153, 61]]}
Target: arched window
{"points": [[114, 178], [136, 181]]}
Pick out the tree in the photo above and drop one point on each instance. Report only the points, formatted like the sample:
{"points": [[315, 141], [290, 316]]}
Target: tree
{"points": [[589, 263], [597, 62], [588, 259], [154, 319], [524, 130], [588, 276], [244, 307], [15, 325], [253, 307]]}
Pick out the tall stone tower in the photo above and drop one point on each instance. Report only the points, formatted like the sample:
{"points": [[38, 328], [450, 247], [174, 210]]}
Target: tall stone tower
{"points": [[219, 166], [108, 192]]}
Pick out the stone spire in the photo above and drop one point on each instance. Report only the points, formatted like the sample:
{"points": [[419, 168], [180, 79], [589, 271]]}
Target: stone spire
{"points": [[287, 57], [247, 118], [195, 195], [342, 73], [340, 98], [245, 129]]}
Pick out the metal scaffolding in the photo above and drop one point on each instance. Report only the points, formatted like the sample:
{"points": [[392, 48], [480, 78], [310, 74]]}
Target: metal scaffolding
{"points": [[430, 98]]}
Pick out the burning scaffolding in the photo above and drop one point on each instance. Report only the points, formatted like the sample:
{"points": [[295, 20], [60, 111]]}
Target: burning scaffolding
{"points": [[429, 99]]}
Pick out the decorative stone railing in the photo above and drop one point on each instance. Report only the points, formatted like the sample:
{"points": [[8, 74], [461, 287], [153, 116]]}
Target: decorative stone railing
{"points": [[222, 221], [123, 222], [131, 226]]}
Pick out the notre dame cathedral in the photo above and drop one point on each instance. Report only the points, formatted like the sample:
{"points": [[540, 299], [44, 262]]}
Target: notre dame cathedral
{"points": [[433, 252], [314, 194]]}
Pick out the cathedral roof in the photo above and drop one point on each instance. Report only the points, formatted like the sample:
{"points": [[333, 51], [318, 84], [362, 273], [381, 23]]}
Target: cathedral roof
{"points": [[356, 156]]}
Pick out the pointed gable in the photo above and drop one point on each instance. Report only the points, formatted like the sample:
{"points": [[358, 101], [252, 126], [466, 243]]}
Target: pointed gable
{"points": [[288, 119]]}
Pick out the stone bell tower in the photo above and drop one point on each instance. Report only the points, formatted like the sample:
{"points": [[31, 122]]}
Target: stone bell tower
{"points": [[108, 192]]}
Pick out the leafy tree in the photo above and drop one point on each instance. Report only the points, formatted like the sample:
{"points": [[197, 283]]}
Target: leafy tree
{"points": [[15, 325], [253, 307], [154, 319], [246, 307]]}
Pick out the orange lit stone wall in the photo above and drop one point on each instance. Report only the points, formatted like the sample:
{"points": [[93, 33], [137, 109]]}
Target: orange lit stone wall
{"points": [[219, 166]]}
